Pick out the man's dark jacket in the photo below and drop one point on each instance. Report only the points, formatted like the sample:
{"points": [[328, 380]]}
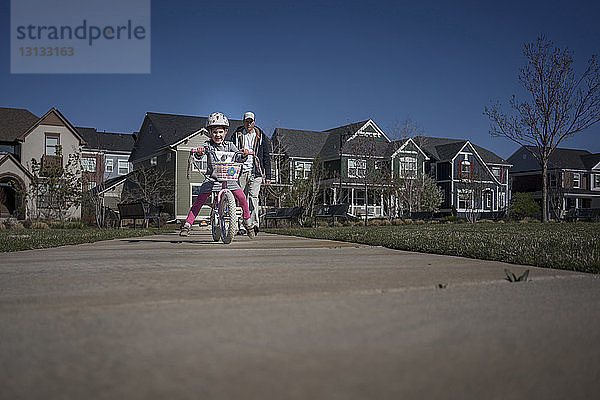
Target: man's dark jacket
{"points": [[261, 148]]}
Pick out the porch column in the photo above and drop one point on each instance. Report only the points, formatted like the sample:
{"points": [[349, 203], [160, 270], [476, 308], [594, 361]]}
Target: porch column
{"points": [[352, 200]]}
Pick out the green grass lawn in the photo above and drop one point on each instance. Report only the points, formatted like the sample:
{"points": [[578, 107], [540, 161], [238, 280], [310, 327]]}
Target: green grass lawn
{"points": [[27, 239], [570, 246]]}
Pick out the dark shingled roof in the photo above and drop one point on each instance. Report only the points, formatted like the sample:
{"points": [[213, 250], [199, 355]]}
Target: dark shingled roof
{"points": [[568, 158], [444, 149], [560, 158], [14, 122], [172, 127], [591, 160], [106, 141], [168, 129], [299, 143], [393, 146], [331, 147]]}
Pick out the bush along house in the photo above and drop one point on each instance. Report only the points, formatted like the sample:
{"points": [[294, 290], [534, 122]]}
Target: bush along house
{"points": [[160, 163], [357, 161], [50, 140], [473, 180], [573, 179]]}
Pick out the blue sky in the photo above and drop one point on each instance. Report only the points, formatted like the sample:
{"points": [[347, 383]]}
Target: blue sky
{"points": [[319, 64]]}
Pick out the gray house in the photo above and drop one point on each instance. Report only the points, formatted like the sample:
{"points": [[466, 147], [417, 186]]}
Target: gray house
{"points": [[104, 156], [473, 179], [163, 145], [573, 178], [353, 156]]}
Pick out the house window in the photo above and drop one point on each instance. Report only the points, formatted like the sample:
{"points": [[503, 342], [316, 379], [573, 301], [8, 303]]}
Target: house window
{"points": [[464, 171], [302, 169], [359, 197], [487, 200], [502, 200], [577, 180], [357, 168], [203, 164], [91, 185], [465, 199], [596, 181], [497, 171], [7, 148], [88, 164], [109, 165], [553, 181], [153, 161], [408, 166], [123, 167], [52, 143]]}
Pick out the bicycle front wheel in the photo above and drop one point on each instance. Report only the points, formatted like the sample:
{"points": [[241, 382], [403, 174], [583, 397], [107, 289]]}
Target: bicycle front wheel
{"points": [[215, 224], [228, 217]]}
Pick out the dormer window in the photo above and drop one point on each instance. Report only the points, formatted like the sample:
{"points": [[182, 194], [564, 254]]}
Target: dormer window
{"points": [[576, 180], [52, 143], [153, 161]]}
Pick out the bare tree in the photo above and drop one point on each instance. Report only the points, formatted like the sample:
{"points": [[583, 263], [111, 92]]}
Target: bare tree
{"points": [[404, 129], [561, 104], [150, 185], [305, 192]]}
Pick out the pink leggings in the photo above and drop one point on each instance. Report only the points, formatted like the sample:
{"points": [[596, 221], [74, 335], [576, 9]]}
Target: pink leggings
{"points": [[201, 199]]}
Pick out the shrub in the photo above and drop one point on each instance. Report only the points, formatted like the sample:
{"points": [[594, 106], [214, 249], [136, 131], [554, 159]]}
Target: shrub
{"points": [[408, 221], [360, 223], [40, 225], [522, 206], [386, 222], [11, 223], [419, 221], [397, 221], [452, 219], [338, 224]]}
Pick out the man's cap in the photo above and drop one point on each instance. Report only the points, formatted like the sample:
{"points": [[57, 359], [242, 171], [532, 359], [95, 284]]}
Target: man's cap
{"points": [[247, 115]]}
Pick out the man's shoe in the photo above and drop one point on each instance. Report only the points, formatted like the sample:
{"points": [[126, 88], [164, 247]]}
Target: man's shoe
{"points": [[249, 228], [255, 230], [185, 230]]}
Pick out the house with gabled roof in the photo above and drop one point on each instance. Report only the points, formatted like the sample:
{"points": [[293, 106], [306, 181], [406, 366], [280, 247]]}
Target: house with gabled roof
{"points": [[473, 179], [23, 137], [347, 153], [104, 156], [573, 178], [164, 142]]}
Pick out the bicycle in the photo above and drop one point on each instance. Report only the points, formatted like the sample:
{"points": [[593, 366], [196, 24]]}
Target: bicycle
{"points": [[223, 217]]}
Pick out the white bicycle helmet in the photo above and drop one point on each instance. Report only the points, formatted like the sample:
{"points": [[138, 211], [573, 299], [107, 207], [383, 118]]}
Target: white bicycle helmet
{"points": [[217, 119]]}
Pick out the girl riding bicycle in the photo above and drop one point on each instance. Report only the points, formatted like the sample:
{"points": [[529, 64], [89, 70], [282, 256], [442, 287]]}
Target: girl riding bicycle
{"points": [[217, 126]]}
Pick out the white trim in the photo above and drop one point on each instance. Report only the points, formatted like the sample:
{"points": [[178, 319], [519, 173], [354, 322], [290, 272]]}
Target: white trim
{"points": [[476, 154], [404, 151], [357, 133], [201, 130]]}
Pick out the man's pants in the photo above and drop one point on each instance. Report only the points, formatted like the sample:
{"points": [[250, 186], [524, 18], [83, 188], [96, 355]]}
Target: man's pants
{"points": [[250, 184]]}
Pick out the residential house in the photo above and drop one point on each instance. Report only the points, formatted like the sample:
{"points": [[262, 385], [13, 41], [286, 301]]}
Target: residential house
{"points": [[23, 137], [105, 156], [473, 179], [573, 178], [358, 160], [163, 145]]}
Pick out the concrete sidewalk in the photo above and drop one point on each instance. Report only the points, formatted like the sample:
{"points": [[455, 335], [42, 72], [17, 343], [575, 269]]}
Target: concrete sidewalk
{"points": [[286, 317]]}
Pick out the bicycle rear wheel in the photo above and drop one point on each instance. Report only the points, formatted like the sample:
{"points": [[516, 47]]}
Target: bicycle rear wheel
{"points": [[227, 216]]}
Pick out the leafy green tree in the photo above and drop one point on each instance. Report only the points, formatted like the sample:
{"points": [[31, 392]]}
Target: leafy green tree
{"points": [[522, 206]]}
